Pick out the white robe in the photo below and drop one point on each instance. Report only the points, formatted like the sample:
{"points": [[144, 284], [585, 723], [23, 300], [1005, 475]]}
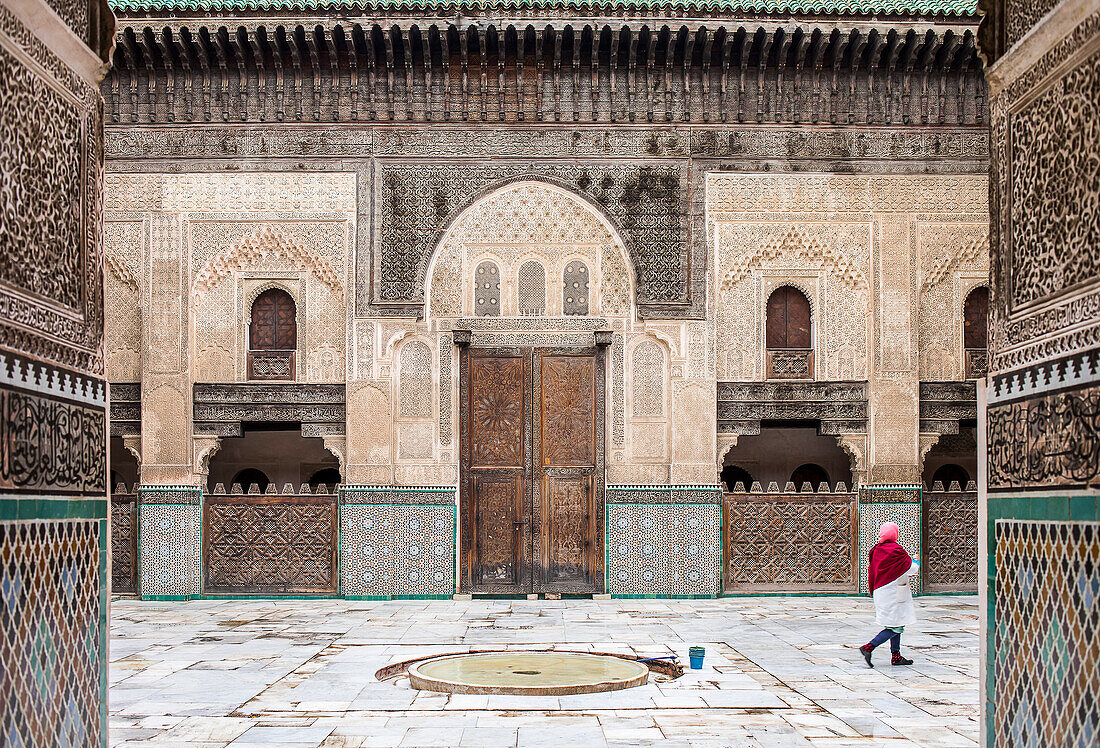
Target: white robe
{"points": [[894, 601]]}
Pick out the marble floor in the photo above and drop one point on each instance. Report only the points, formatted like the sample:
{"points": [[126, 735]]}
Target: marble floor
{"points": [[778, 672]]}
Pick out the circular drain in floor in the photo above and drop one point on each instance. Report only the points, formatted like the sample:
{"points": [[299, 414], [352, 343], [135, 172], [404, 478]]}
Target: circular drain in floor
{"points": [[528, 673]]}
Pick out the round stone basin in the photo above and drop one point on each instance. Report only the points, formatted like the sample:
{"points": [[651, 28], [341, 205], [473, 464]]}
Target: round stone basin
{"points": [[528, 673]]}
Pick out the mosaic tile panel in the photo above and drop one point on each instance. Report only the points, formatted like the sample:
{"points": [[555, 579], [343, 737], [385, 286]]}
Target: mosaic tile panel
{"points": [[1046, 643], [389, 550], [874, 509], [664, 549], [50, 647], [170, 549]]}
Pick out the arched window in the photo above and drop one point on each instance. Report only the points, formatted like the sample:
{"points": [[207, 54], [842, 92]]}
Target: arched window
{"points": [[487, 290], [975, 326], [272, 336], [732, 475], [788, 335], [945, 474], [574, 299], [329, 477], [250, 476], [810, 473], [532, 289]]}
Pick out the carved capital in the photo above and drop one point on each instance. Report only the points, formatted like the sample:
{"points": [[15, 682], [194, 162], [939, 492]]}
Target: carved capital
{"points": [[205, 447], [337, 445]]}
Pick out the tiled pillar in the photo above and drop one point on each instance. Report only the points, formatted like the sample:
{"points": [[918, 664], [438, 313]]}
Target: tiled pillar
{"points": [[54, 508], [397, 541], [889, 503], [170, 542], [664, 541], [1039, 474]]}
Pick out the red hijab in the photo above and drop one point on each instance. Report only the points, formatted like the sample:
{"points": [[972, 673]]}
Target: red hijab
{"points": [[888, 560]]}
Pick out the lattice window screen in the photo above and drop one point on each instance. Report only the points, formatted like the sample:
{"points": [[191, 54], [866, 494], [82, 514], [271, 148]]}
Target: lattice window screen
{"points": [[575, 289], [416, 380], [487, 290], [532, 289], [648, 381]]}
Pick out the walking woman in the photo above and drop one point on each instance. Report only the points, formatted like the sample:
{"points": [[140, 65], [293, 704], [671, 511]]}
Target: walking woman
{"points": [[888, 572]]}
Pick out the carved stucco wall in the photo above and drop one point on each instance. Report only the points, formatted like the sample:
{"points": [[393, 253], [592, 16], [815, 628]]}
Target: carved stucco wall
{"points": [[511, 227], [885, 262], [953, 261], [123, 250], [187, 255]]}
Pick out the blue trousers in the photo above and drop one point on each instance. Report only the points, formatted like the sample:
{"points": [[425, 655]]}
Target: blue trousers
{"points": [[880, 637]]}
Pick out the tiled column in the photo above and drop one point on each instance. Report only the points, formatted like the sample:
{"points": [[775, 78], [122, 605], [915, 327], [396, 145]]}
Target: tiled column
{"points": [[889, 503], [397, 542], [664, 541], [170, 542], [54, 510], [1039, 466]]}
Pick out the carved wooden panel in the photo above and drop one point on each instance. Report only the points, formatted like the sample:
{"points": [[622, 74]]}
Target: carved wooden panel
{"points": [[568, 410], [976, 318], [270, 544], [950, 560], [530, 485], [568, 530], [788, 319], [791, 542], [123, 543], [499, 515], [496, 411], [790, 364], [274, 326]]}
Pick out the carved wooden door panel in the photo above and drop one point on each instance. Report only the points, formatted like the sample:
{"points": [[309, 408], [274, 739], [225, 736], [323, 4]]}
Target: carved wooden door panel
{"points": [[566, 526], [531, 463], [495, 471]]}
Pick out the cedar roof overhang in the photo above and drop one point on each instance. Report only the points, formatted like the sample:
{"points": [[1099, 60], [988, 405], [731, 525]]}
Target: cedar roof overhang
{"points": [[782, 45]]}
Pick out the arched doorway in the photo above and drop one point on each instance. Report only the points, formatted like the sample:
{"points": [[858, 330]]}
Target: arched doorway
{"points": [[532, 511]]}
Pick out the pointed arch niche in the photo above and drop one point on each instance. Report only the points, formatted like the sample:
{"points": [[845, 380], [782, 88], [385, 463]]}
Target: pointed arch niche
{"points": [[520, 228]]}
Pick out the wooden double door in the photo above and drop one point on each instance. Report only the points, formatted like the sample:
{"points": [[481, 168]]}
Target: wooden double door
{"points": [[531, 469]]}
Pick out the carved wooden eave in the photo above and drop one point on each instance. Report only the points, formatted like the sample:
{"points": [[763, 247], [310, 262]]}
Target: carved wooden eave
{"points": [[642, 69]]}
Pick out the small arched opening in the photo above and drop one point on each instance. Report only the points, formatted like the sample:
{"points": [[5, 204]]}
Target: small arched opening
{"points": [[734, 474], [954, 457], [251, 477], [951, 473], [272, 336], [975, 333], [788, 335], [811, 473], [327, 477]]}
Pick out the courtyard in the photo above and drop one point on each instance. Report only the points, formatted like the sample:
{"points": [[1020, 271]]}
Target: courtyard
{"points": [[779, 671]]}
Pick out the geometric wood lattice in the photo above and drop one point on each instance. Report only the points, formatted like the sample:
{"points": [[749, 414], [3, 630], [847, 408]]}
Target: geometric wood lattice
{"points": [[123, 541], [794, 541], [951, 542], [270, 544]]}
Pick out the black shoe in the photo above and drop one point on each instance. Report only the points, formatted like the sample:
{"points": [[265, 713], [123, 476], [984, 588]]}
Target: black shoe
{"points": [[866, 650], [897, 659]]}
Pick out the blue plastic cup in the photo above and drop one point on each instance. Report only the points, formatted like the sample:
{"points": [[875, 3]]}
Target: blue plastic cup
{"points": [[695, 656]]}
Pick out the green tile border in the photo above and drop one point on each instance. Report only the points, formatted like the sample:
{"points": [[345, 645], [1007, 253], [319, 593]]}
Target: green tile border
{"points": [[15, 508]]}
